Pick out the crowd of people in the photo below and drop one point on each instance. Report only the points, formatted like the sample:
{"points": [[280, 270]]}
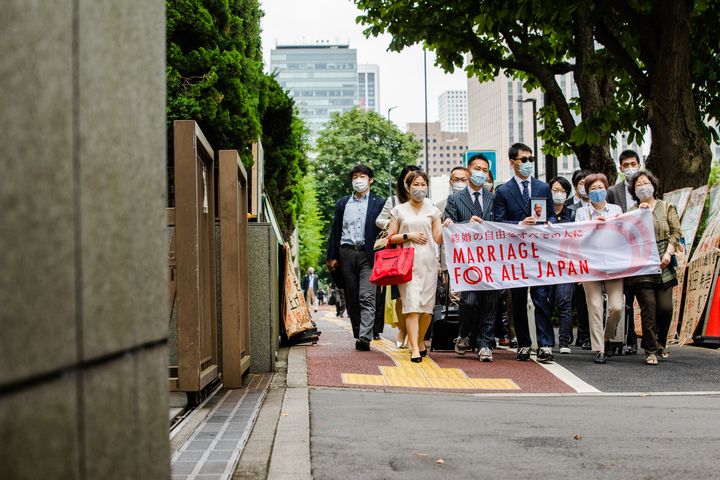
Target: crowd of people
{"points": [[498, 317]]}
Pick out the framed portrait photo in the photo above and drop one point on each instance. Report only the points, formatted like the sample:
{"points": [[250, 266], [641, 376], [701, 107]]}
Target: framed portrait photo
{"points": [[538, 209]]}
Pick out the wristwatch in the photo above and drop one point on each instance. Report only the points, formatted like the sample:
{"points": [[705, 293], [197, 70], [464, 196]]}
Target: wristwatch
{"points": [[404, 236]]}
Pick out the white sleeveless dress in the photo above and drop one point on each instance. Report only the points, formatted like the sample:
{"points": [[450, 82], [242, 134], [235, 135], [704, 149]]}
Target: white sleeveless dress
{"points": [[418, 295]]}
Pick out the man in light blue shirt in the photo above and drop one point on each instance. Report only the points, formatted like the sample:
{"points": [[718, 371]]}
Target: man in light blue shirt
{"points": [[350, 252]]}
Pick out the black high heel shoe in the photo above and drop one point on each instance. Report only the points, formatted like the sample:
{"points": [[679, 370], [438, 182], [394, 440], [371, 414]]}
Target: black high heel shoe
{"points": [[423, 353], [416, 359]]}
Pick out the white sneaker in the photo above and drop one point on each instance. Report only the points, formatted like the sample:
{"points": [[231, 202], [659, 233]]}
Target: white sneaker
{"points": [[485, 355]]}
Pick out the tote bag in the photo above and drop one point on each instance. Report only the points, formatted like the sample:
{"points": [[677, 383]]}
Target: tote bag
{"points": [[392, 266]]}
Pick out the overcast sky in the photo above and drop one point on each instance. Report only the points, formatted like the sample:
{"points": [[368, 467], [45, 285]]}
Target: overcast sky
{"points": [[401, 74]]}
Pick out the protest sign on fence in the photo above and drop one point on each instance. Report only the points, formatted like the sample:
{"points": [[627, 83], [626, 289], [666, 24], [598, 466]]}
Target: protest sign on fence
{"points": [[677, 298], [702, 272], [679, 198], [714, 200], [693, 213], [491, 256], [296, 314]]}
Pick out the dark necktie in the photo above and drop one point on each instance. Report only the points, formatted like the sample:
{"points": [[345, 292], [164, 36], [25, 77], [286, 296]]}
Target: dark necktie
{"points": [[526, 193], [478, 205]]}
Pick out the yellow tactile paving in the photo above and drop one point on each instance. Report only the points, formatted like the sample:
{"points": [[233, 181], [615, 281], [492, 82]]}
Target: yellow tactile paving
{"points": [[426, 374], [409, 382], [362, 379]]}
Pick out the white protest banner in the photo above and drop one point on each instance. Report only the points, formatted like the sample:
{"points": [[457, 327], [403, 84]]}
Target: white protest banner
{"points": [[491, 256]]}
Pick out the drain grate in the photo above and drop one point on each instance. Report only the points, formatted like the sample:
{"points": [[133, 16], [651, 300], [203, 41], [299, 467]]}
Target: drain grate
{"points": [[213, 450]]}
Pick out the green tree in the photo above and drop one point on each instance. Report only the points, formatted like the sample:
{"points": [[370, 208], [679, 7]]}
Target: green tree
{"points": [[285, 143], [632, 62], [215, 77], [310, 227], [357, 137], [214, 70]]}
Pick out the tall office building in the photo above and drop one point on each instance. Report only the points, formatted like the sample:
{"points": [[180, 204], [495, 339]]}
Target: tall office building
{"points": [[369, 88], [453, 111], [496, 119], [445, 149], [321, 77]]}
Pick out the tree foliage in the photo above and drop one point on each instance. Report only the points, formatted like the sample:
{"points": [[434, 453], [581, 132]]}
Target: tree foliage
{"points": [[215, 77], [310, 227], [214, 70], [631, 60], [285, 145], [357, 137]]}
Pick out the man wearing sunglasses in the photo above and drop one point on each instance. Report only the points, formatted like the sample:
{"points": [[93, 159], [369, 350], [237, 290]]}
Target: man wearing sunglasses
{"points": [[512, 205]]}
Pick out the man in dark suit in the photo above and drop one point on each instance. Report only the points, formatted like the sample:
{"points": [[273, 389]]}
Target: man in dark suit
{"points": [[619, 194], [512, 205], [310, 287], [477, 309], [350, 251]]}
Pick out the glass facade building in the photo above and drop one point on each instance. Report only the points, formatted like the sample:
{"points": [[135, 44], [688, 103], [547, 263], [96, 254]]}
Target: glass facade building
{"points": [[322, 78], [369, 88]]}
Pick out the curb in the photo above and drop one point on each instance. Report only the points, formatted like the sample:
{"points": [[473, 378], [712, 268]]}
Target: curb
{"points": [[279, 445]]}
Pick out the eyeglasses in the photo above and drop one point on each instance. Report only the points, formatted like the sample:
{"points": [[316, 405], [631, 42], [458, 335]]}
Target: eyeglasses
{"points": [[526, 159]]}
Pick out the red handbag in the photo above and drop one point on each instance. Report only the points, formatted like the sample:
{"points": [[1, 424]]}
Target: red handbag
{"points": [[392, 266]]}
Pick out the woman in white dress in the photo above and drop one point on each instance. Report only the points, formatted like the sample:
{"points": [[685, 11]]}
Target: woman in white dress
{"points": [[416, 224], [382, 221]]}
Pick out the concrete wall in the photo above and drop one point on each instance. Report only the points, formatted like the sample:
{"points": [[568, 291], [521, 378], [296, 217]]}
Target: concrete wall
{"points": [[83, 242], [264, 297]]}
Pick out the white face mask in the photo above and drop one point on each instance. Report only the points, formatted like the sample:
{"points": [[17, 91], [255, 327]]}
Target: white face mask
{"points": [[457, 186], [559, 198], [629, 172], [488, 186], [360, 185], [645, 192], [581, 191]]}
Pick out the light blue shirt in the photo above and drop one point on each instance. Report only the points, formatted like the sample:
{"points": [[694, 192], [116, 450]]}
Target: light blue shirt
{"points": [[353, 225]]}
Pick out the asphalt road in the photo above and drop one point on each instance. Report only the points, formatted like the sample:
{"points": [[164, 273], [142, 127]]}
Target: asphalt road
{"points": [[688, 369], [625, 432], [374, 435]]}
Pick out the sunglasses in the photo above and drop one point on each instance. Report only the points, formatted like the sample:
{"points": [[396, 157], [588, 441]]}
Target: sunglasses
{"points": [[526, 159]]}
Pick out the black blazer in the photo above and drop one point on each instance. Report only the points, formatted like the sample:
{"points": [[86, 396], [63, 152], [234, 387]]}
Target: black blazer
{"points": [[567, 215], [375, 206], [509, 204], [305, 284], [461, 206]]}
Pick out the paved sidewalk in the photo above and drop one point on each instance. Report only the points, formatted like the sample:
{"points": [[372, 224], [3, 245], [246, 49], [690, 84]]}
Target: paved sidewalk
{"points": [[279, 446]]}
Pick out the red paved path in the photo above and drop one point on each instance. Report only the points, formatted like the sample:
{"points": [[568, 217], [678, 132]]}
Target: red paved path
{"points": [[335, 355]]}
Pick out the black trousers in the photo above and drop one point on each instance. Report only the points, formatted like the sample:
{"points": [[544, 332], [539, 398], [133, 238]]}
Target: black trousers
{"points": [[656, 311], [359, 292], [583, 330], [379, 324], [477, 317]]}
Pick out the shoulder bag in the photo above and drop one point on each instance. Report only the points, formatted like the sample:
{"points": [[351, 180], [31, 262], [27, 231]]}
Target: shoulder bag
{"points": [[392, 266]]}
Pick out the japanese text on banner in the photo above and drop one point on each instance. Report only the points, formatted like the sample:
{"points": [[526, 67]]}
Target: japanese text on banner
{"points": [[491, 256]]}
